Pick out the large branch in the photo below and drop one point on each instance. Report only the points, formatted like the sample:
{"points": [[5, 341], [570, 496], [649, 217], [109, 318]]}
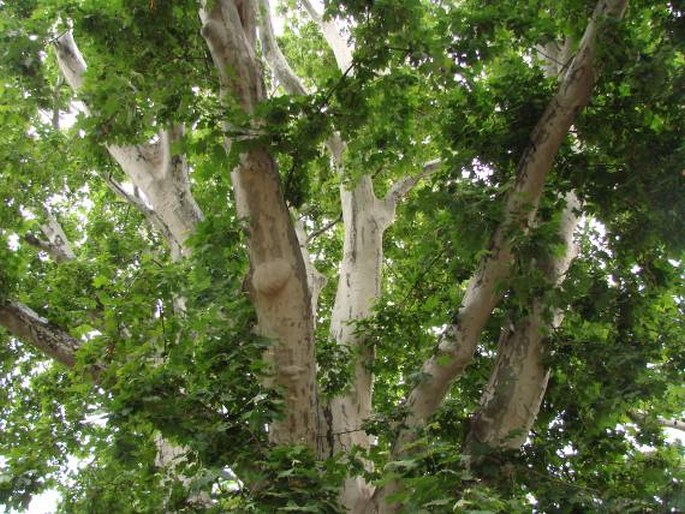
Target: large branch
{"points": [[155, 167], [676, 424], [54, 342], [341, 50], [22, 322], [511, 400], [365, 218], [484, 290]]}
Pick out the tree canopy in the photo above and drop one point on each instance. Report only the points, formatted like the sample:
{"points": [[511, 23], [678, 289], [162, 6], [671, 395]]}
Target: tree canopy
{"points": [[395, 256]]}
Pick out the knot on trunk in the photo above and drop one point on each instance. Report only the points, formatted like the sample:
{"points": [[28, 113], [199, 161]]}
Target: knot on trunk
{"points": [[271, 277]]}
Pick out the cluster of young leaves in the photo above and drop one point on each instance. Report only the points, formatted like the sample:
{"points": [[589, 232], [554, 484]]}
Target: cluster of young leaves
{"points": [[291, 479]]}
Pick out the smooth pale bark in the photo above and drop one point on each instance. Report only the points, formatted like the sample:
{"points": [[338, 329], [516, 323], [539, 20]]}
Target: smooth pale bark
{"points": [[457, 343], [292, 85], [365, 219], [279, 288], [512, 398], [55, 243], [290, 82], [341, 50], [156, 168]]}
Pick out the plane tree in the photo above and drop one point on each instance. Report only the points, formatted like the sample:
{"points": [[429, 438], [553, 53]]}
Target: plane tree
{"points": [[392, 256]]}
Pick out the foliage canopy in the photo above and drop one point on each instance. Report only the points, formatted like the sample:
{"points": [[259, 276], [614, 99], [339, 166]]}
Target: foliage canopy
{"points": [[465, 82]]}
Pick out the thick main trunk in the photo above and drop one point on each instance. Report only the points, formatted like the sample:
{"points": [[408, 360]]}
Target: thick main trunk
{"points": [[279, 288], [280, 295]]}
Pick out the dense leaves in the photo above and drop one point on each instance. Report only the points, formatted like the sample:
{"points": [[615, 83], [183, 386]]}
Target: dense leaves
{"points": [[465, 82]]}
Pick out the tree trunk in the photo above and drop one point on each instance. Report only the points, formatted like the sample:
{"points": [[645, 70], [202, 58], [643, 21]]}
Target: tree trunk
{"points": [[279, 289]]}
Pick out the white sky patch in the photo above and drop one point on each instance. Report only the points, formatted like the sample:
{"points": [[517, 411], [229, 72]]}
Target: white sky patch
{"points": [[44, 503], [13, 242], [27, 214]]}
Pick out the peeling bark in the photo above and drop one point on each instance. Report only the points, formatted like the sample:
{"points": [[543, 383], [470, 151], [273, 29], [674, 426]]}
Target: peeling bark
{"points": [[485, 287], [280, 294], [279, 291], [457, 343], [22, 322], [512, 398]]}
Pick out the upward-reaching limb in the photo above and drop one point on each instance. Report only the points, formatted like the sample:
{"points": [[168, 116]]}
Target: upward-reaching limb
{"points": [[484, 290]]}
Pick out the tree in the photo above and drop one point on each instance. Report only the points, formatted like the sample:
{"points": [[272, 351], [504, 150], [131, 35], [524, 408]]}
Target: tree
{"points": [[407, 256]]}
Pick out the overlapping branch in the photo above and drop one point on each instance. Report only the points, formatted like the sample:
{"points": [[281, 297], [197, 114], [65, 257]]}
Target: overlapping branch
{"points": [[55, 242], [273, 55], [485, 288], [512, 397], [154, 167]]}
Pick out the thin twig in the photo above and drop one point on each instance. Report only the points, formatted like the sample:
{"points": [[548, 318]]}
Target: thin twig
{"points": [[324, 229]]}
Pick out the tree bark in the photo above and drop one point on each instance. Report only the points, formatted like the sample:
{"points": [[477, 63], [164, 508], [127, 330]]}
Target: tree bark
{"points": [[22, 322], [279, 288], [512, 398], [55, 244], [457, 343], [155, 168]]}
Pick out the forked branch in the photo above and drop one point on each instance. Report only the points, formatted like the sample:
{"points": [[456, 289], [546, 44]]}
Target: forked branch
{"points": [[484, 290]]}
